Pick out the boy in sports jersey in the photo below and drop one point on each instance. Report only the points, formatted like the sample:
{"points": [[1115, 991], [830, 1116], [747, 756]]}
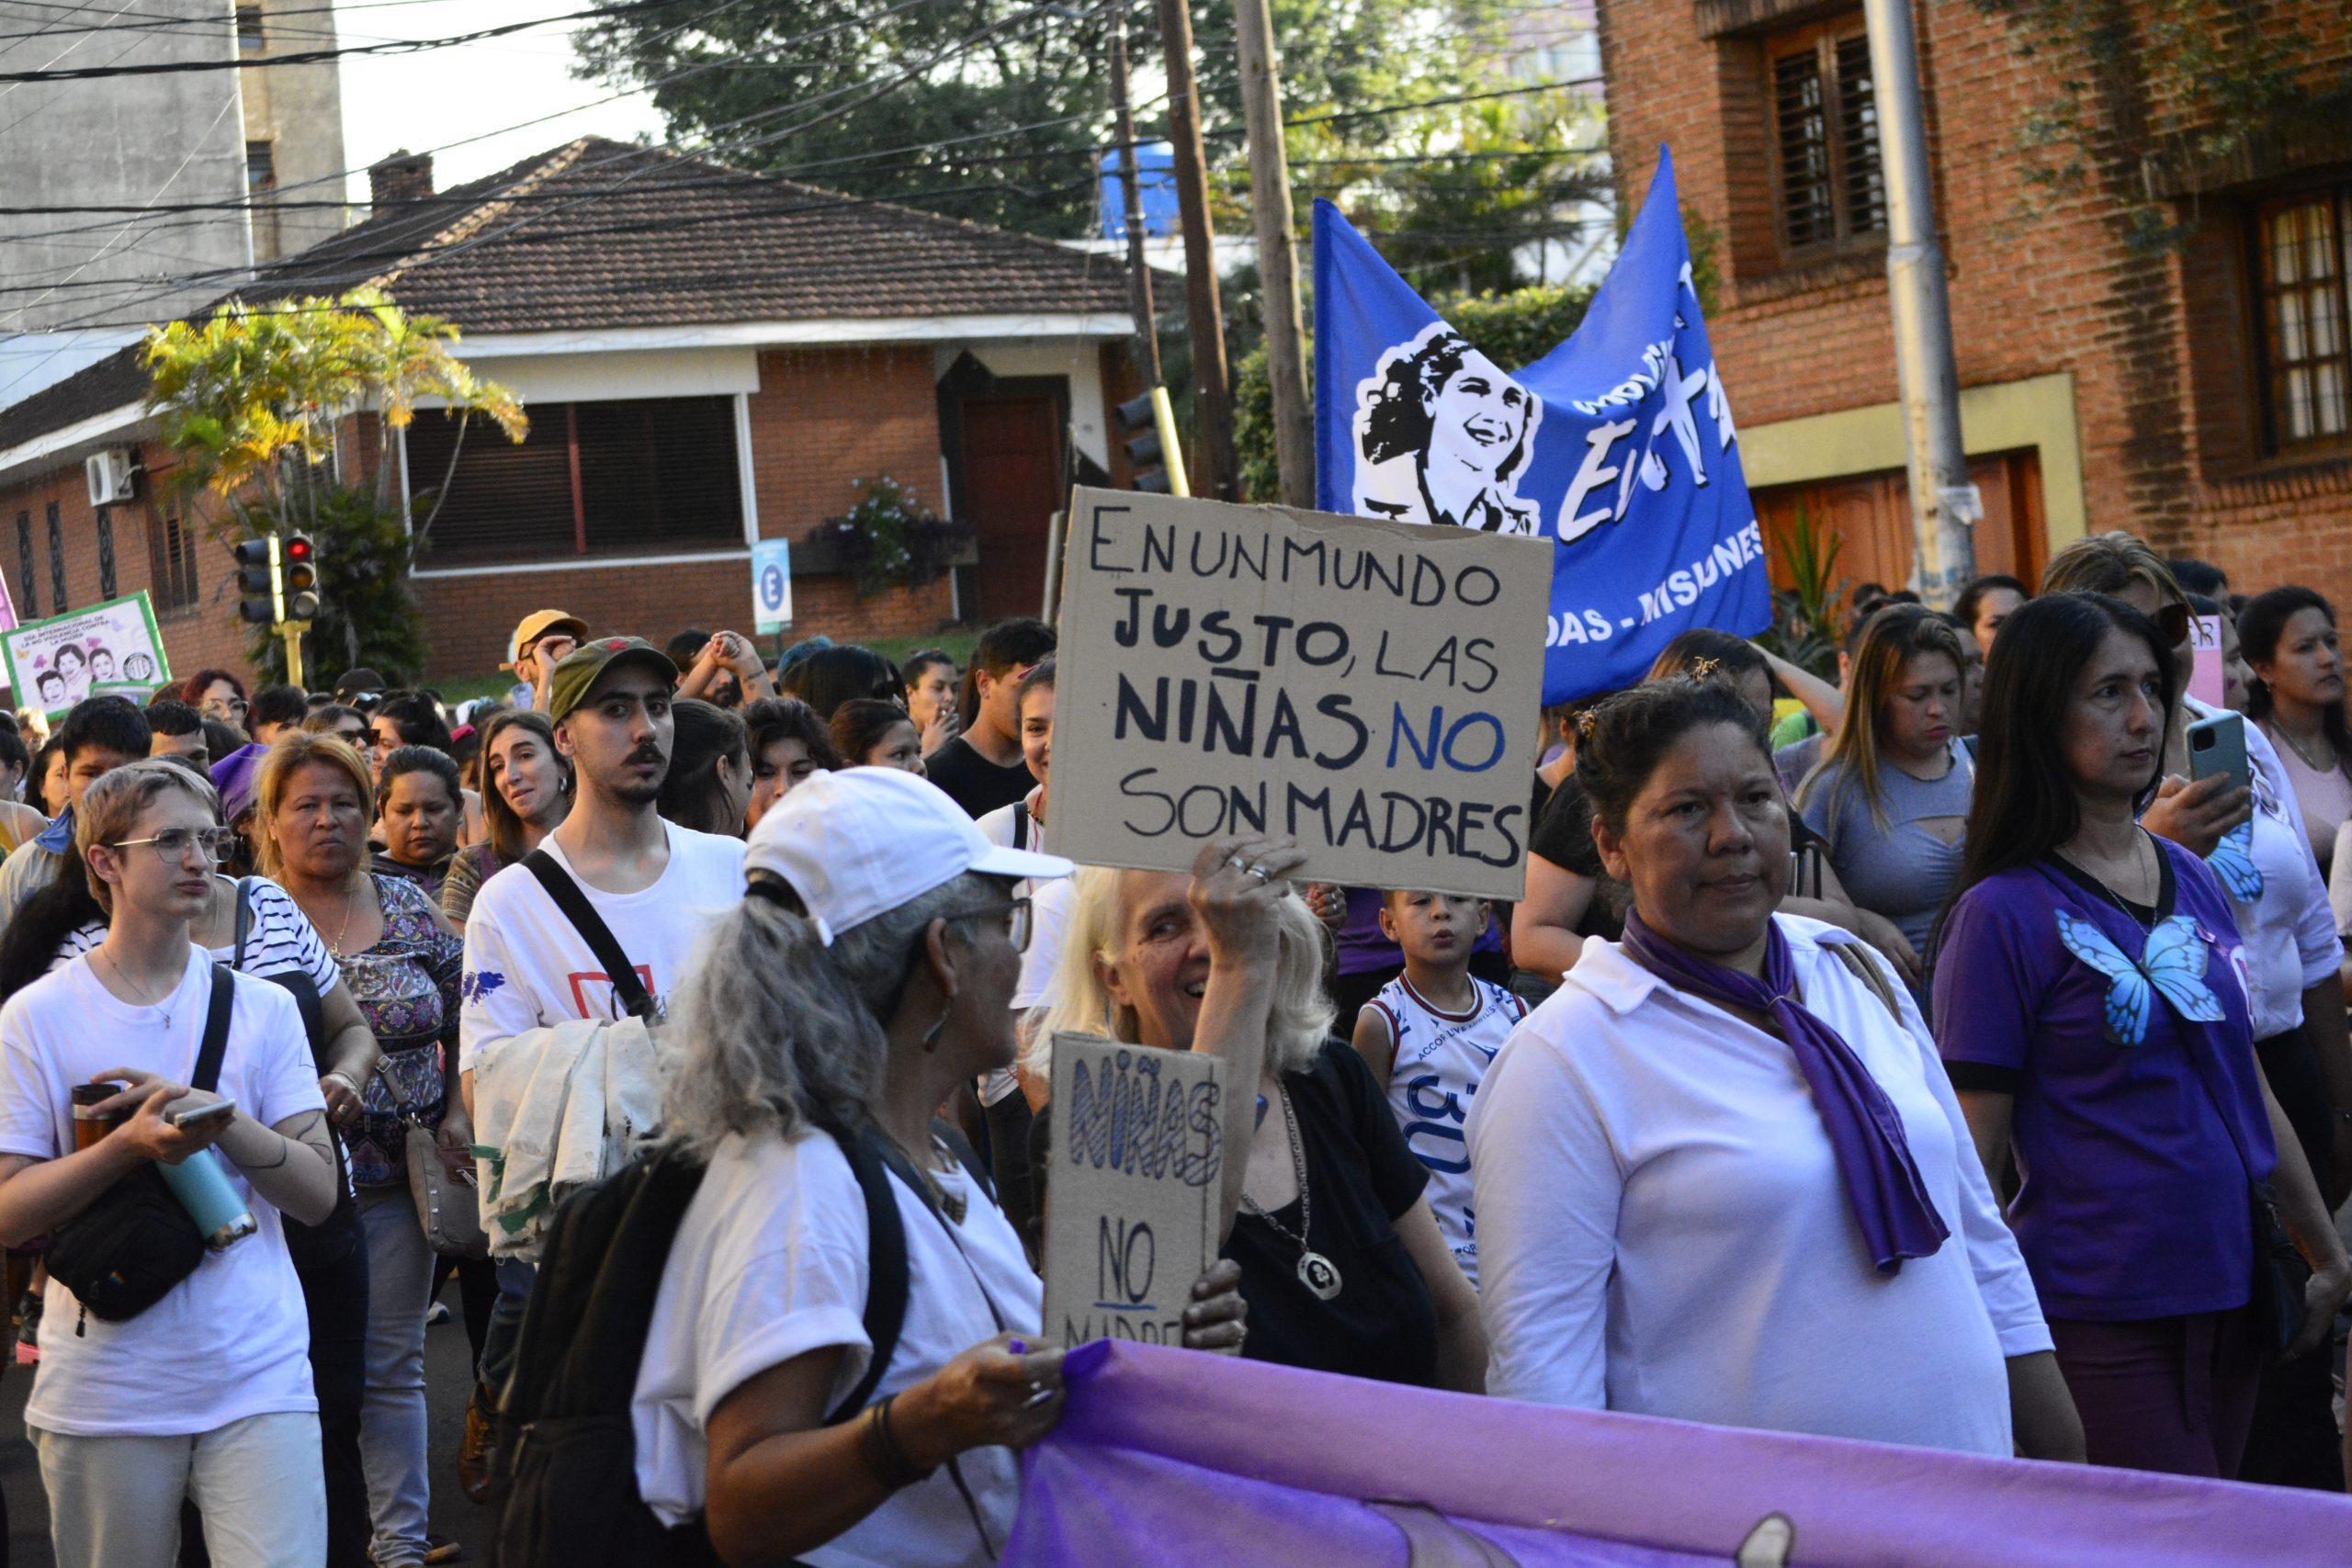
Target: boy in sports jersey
{"points": [[1427, 1037]]}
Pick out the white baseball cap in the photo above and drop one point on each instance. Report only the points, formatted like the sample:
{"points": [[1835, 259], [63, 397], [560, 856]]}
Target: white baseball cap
{"points": [[857, 842]]}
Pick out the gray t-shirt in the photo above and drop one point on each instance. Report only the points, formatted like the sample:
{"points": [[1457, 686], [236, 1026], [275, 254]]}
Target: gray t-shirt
{"points": [[1901, 871]]}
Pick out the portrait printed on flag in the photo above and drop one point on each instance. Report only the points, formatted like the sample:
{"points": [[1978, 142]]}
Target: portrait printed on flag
{"points": [[1442, 435]]}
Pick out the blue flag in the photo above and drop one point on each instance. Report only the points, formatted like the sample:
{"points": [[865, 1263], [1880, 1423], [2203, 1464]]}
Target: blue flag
{"points": [[1617, 446]]}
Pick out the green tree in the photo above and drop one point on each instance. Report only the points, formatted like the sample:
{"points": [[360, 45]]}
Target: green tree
{"points": [[255, 403]]}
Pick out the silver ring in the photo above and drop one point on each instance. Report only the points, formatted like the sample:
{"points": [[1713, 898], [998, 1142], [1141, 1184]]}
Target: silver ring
{"points": [[1038, 1395], [1261, 873]]}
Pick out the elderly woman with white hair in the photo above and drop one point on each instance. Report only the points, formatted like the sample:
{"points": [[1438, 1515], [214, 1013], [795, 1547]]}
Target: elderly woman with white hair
{"points": [[1342, 1264], [866, 976]]}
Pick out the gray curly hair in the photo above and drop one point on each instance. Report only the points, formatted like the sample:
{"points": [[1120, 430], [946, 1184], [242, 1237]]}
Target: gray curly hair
{"points": [[774, 1030]]}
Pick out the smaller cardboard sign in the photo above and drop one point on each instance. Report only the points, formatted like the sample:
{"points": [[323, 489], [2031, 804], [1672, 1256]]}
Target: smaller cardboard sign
{"points": [[56, 663], [1131, 1196], [772, 585], [2205, 680]]}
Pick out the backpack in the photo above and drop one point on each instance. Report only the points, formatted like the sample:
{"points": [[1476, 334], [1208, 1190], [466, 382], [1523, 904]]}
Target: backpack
{"points": [[563, 1466]]}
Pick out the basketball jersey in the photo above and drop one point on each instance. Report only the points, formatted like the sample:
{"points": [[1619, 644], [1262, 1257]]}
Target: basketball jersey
{"points": [[1440, 1058]]}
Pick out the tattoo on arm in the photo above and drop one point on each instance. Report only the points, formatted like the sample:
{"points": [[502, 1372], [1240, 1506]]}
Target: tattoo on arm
{"points": [[308, 1129]]}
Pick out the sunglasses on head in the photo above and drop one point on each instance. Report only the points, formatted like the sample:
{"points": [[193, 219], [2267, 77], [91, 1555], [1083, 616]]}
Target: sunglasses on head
{"points": [[2172, 623]]}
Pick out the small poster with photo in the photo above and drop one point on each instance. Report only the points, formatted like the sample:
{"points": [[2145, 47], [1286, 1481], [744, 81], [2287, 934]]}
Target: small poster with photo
{"points": [[108, 647]]}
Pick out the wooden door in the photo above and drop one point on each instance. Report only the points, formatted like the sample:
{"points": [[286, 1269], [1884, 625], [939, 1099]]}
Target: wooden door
{"points": [[1013, 485], [1868, 515]]}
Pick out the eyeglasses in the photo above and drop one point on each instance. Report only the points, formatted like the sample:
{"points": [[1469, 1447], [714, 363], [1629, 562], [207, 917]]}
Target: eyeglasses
{"points": [[1017, 920], [227, 708], [172, 845]]}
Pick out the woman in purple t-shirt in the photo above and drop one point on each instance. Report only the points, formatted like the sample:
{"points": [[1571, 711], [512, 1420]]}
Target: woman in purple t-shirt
{"points": [[2091, 1009]]}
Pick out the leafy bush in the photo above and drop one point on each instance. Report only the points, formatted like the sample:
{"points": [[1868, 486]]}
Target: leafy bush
{"points": [[891, 537]]}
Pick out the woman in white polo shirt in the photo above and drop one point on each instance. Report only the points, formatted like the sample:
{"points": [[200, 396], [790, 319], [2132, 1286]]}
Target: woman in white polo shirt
{"points": [[1719, 1174], [206, 1394]]}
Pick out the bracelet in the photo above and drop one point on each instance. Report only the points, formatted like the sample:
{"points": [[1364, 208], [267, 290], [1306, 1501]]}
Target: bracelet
{"points": [[878, 1446], [342, 1077]]}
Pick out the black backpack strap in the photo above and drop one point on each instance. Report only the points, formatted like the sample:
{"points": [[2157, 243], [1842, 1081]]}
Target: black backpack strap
{"points": [[216, 1030], [1021, 824], [601, 942], [887, 1283]]}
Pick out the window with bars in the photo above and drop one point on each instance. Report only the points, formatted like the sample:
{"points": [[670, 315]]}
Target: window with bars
{"points": [[646, 476], [56, 561], [261, 166], [27, 583], [1829, 193], [2299, 272], [171, 566], [106, 552], [250, 37]]}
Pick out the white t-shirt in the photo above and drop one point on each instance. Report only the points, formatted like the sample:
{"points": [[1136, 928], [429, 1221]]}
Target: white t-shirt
{"points": [[1049, 907], [281, 938], [528, 967], [231, 1340], [1436, 1060], [770, 1264]]}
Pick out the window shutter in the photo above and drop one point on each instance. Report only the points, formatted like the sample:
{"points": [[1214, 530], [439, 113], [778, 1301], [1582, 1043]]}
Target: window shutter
{"points": [[1858, 126], [1806, 217], [56, 560], [27, 583]]}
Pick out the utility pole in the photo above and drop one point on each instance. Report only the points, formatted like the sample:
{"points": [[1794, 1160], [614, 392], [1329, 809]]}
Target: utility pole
{"points": [[1138, 270], [1270, 211], [1204, 313], [1944, 506]]}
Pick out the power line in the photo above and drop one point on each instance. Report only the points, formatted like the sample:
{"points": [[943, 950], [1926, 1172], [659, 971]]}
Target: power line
{"points": [[315, 56]]}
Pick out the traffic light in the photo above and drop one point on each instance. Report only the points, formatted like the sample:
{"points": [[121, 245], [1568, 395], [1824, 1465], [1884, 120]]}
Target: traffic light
{"points": [[1140, 436], [258, 580], [299, 569]]}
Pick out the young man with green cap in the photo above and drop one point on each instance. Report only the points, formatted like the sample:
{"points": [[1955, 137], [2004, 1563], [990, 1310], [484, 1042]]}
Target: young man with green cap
{"points": [[655, 886]]}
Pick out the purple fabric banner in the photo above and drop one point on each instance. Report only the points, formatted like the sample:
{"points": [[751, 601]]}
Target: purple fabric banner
{"points": [[1173, 1457]]}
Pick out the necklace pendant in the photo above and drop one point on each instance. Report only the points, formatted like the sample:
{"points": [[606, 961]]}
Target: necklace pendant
{"points": [[1318, 1274]]}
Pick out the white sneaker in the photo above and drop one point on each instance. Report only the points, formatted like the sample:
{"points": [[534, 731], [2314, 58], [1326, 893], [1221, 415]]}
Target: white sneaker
{"points": [[437, 1313]]}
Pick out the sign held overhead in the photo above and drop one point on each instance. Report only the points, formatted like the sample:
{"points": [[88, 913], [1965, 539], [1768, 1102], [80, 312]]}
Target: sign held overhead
{"points": [[1371, 688]]}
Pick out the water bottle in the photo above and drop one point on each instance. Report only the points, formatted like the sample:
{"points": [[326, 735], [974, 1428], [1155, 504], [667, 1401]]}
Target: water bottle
{"points": [[203, 1189]]}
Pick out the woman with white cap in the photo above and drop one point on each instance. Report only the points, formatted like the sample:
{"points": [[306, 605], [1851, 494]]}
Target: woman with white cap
{"points": [[868, 974]]}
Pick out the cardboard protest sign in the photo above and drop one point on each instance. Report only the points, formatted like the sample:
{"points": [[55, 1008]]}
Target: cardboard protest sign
{"points": [[1371, 688], [56, 663], [1131, 1205]]}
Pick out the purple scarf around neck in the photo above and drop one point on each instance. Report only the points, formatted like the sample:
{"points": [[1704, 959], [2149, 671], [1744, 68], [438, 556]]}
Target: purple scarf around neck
{"points": [[1883, 1183]]}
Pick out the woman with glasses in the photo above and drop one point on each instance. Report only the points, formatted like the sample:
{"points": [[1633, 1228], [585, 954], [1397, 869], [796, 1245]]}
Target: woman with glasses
{"points": [[207, 1394], [867, 976], [402, 963], [215, 693]]}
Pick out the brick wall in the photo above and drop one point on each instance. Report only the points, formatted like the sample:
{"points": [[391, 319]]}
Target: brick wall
{"points": [[822, 419], [209, 634], [2158, 340]]}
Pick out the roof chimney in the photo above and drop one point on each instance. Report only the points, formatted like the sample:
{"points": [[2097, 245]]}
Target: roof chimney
{"points": [[403, 176]]}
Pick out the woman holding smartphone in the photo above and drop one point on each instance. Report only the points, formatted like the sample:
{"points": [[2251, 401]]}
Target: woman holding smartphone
{"points": [[2093, 1018], [234, 1425]]}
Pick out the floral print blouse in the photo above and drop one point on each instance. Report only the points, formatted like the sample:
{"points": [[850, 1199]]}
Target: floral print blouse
{"points": [[406, 985]]}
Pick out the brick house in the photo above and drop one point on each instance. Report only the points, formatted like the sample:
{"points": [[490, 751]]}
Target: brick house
{"points": [[708, 357], [2195, 393]]}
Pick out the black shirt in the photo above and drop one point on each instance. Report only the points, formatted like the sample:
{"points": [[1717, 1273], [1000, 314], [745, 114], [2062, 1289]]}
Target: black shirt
{"points": [[973, 783], [1563, 836], [1362, 1179]]}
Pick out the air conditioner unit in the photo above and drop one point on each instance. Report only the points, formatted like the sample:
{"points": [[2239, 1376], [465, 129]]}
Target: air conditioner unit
{"points": [[110, 475]]}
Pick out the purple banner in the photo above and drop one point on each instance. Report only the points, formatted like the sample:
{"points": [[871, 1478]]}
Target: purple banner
{"points": [[1174, 1458]]}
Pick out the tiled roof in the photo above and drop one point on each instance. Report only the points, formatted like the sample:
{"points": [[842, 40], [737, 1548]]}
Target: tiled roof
{"points": [[599, 233]]}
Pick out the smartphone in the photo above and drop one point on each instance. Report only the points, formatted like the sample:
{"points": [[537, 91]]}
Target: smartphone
{"points": [[201, 1115], [2217, 745]]}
